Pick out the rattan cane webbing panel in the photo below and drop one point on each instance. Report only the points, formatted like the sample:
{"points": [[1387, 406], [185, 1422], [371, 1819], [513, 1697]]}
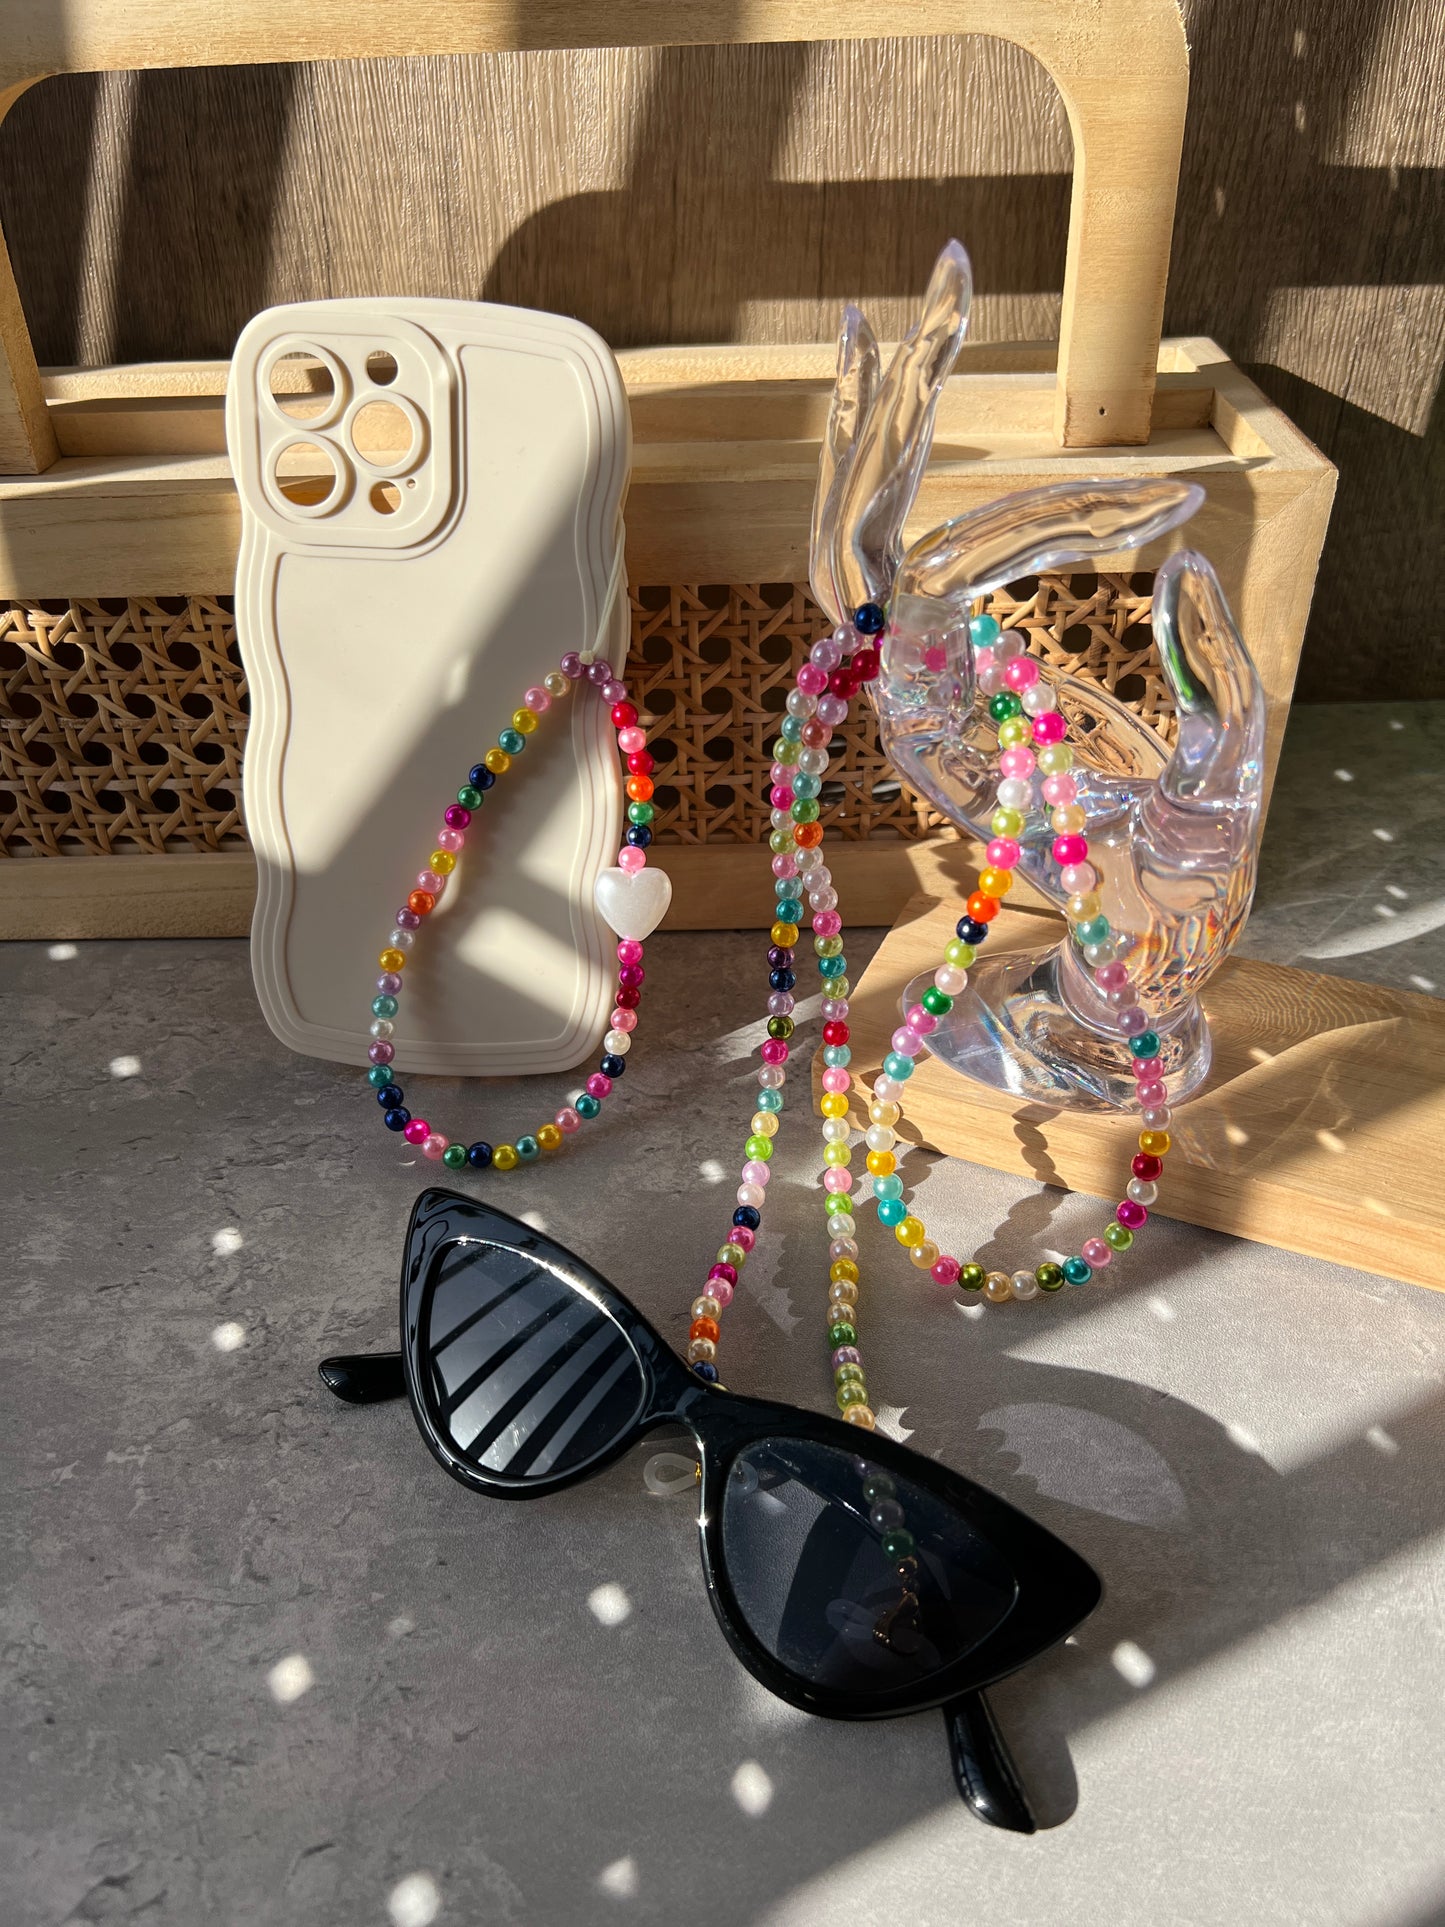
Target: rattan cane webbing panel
{"points": [[122, 723]]}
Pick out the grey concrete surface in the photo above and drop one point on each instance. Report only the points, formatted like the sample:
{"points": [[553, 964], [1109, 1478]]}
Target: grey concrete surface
{"points": [[262, 1663]]}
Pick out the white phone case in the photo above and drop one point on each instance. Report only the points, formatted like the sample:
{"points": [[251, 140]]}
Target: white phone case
{"points": [[390, 615]]}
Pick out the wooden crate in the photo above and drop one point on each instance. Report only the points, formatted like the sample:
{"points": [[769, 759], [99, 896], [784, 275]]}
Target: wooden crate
{"points": [[123, 708]]}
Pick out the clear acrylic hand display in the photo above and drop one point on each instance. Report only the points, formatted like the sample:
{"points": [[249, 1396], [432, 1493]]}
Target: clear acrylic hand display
{"points": [[1174, 835]]}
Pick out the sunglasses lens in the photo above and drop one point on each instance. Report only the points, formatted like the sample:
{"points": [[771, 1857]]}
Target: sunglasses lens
{"points": [[526, 1374], [852, 1577]]}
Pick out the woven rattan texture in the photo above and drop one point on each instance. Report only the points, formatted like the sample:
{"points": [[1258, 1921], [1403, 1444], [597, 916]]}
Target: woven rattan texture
{"points": [[122, 724]]}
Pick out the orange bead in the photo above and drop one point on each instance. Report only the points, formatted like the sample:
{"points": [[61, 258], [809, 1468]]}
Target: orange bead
{"points": [[422, 901], [808, 836], [981, 908], [639, 788], [705, 1328]]}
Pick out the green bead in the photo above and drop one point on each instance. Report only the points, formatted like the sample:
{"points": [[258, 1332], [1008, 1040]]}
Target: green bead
{"points": [[971, 1278], [848, 1375], [837, 1154], [1118, 1235], [760, 1148], [959, 954], [640, 812], [781, 1027], [1049, 1277], [838, 1204], [786, 752], [1094, 931], [383, 1006], [379, 1076], [897, 1544], [791, 729], [1015, 732], [935, 1002], [587, 1105], [828, 946], [842, 1334], [469, 798], [878, 1485], [983, 631], [528, 1150], [805, 810], [780, 842], [1004, 705], [853, 1393], [772, 1100], [454, 1156], [1078, 1271], [1146, 1044], [512, 741], [1005, 822], [840, 988]]}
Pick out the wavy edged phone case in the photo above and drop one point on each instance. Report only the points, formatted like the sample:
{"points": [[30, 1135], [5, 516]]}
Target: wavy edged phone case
{"points": [[431, 516]]}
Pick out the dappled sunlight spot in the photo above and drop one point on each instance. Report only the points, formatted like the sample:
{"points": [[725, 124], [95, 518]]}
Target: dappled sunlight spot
{"points": [[1241, 1436], [1394, 890], [969, 1311], [1382, 1441], [1422, 983], [1328, 1141], [1344, 775], [415, 1901], [226, 1240], [1236, 1134], [1377, 1208], [711, 1172], [1162, 1310], [1385, 910], [1260, 1054], [889, 1420], [229, 1337], [752, 1789], [620, 1879], [289, 1678], [399, 1627], [1385, 836], [609, 1604], [1133, 1664], [62, 952], [535, 1219], [125, 1067]]}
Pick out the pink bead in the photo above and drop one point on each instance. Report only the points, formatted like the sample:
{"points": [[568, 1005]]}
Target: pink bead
{"points": [[728, 1273], [826, 653], [631, 860], [1070, 849], [629, 951], [1079, 878], [598, 1085], [450, 840], [623, 1019], [1131, 1214], [921, 1020], [1050, 727], [785, 866], [773, 1051], [632, 739], [429, 880], [847, 1355], [1111, 976], [614, 691], [1018, 762], [407, 919], [433, 1145], [381, 1052], [1060, 789], [1096, 1253], [742, 1236], [751, 1195], [571, 665], [1152, 1095], [826, 923], [456, 818], [567, 1120], [781, 797], [812, 679], [906, 1041], [935, 659], [837, 1081], [1003, 853], [631, 976], [835, 1010], [832, 710], [837, 1178], [417, 1132], [781, 773], [756, 1172], [815, 735], [538, 699], [946, 1271], [781, 1003], [1021, 673], [1131, 1022], [388, 983], [1145, 1069], [720, 1289]]}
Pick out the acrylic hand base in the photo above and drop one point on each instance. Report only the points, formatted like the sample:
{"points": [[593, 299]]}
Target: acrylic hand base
{"points": [[1316, 1130]]}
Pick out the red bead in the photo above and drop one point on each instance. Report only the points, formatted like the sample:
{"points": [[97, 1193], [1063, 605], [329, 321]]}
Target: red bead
{"points": [[981, 908], [835, 1033], [628, 997], [705, 1328], [1146, 1167], [866, 664], [624, 715], [640, 763], [840, 683]]}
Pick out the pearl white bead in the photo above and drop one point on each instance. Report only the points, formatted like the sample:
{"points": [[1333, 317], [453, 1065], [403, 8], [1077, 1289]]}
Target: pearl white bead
{"points": [[879, 1138], [823, 899], [1025, 1285], [990, 679], [382, 1027], [1039, 698], [836, 1130], [781, 819], [1008, 644], [842, 1248], [887, 1090], [1157, 1118], [1014, 793], [619, 1042], [401, 939], [800, 704], [772, 1077], [845, 1224], [813, 762], [949, 980], [1142, 1191]]}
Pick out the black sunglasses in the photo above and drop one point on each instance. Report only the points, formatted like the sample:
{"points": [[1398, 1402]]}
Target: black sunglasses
{"points": [[852, 1577]]}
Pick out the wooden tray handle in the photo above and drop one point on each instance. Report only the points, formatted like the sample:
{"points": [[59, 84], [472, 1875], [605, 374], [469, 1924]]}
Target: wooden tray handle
{"points": [[1121, 66]]}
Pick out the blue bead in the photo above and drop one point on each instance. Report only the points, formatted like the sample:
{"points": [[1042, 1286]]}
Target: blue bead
{"points": [[781, 979], [868, 619], [396, 1120], [639, 836], [898, 1067], [890, 1187], [832, 966], [1093, 931], [512, 741], [389, 1097], [378, 1076], [528, 1150], [789, 909], [706, 1372], [749, 1215], [480, 777], [611, 1066], [587, 1105], [891, 1211], [837, 1056], [968, 931], [805, 785], [982, 631], [479, 1154], [1078, 1271], [767, 1101], [1146, 1044], [785, 887], [790, 729], [383, 1006]]}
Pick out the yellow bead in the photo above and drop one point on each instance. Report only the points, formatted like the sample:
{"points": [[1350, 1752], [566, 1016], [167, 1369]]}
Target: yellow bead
{"points": [[833, 1104], [524, 721], [443, 862], [925, 1256], [882, 1164], [998, 1287], [881, 1113], [498, 762], [837, 1154], [548, 1136], [1068, 819], [1156, 1143], [842, 1268], [860, 1415], [785, 934], [765, 1124], [1082, 909], [392, 960], [505, 1158], [910, 1232], [995, 883]]}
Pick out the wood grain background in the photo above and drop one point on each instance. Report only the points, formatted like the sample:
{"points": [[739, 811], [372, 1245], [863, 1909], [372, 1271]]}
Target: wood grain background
{"points": [[717, 194]]}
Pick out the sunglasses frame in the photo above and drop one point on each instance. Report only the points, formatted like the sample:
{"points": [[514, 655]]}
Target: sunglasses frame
{"points": [[1054, 1588]]}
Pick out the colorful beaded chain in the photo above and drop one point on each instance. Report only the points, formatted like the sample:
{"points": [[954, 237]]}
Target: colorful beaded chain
{"points": [[1026, 711], [432, 881]]}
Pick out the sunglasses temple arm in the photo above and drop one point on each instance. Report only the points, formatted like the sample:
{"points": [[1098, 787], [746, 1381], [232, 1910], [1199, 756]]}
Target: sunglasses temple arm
{"points": [[983, 1767], [364, 1378]]}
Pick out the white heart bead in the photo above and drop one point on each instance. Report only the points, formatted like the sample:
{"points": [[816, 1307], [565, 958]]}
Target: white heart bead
{"points": [[634, 905]]}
